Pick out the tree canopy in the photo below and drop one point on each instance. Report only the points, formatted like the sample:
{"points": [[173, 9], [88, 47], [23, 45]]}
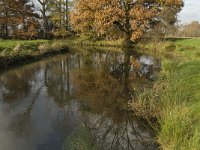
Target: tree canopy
{"points": [[125, 18]]}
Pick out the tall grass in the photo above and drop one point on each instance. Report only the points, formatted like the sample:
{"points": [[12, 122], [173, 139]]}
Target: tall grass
{"points": [[180, 102], [175, 101], [175, 98]]}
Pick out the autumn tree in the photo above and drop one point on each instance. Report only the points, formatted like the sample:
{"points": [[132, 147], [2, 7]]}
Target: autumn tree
{"points": [[130, 19]]}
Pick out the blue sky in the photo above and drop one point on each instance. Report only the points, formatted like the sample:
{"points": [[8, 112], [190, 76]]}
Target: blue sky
{"points": [[190, 12]]}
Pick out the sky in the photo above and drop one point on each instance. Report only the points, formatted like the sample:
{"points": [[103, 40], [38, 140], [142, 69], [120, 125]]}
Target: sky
{"points": [[190, 12]]}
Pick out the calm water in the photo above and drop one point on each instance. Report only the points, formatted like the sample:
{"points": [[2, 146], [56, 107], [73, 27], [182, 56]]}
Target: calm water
{"points": [[43, 103]]}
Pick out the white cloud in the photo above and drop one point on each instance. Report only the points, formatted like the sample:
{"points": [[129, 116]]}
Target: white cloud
{"points": [[190, 12]]}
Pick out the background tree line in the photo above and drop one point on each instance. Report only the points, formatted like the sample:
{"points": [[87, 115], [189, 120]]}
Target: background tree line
{"points": [[189, 30], [110, 19], [31, 19]]}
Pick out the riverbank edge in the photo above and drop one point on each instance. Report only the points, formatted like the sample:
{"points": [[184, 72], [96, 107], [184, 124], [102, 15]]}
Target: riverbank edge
{"points": [[175, 97], [14, 52], [28, 51]]}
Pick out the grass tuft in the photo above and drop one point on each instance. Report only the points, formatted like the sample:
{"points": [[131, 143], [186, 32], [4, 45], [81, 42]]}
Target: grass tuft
{"points": [[81, 139]]}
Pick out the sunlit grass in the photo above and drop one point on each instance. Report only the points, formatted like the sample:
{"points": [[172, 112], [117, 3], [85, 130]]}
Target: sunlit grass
{"points": [[16, 51], [10, 44]]}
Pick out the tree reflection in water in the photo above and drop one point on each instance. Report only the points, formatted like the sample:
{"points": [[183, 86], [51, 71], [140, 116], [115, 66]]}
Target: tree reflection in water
{"points": [[16, 84], [126, 133], [104, 91], [57, 81]]}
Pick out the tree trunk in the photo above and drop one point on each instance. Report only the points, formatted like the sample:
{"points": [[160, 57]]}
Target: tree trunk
{"points": [[66, 16], [46, 26], [128, 42], [6, 26]]}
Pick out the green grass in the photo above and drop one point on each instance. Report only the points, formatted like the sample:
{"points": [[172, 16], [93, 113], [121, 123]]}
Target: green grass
{"points": [[188, 48], [16, 51], [10, 44], [175, 98], [175, 102], [180, 105], [183, 48]]}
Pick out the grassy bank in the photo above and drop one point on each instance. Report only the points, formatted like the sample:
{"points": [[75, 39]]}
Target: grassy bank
{"points": [[10, 44], [13, 52], [175, 98]]}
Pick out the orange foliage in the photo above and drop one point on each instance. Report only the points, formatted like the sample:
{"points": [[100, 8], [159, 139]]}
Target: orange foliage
{"points": [[126, 18]]}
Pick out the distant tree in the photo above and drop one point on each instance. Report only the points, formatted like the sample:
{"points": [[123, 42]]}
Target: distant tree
{"points": [[15, 17], [126, 18], [43, 8], [190, 30], [60, 17], [1, 19], [6, 16], [27, 20]]}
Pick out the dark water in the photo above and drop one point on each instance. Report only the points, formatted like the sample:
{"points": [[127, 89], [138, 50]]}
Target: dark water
{"points": [[42, 104]]}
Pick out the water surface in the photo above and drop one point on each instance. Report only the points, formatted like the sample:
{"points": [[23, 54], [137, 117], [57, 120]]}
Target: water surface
{"points": [[43, 103]]}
